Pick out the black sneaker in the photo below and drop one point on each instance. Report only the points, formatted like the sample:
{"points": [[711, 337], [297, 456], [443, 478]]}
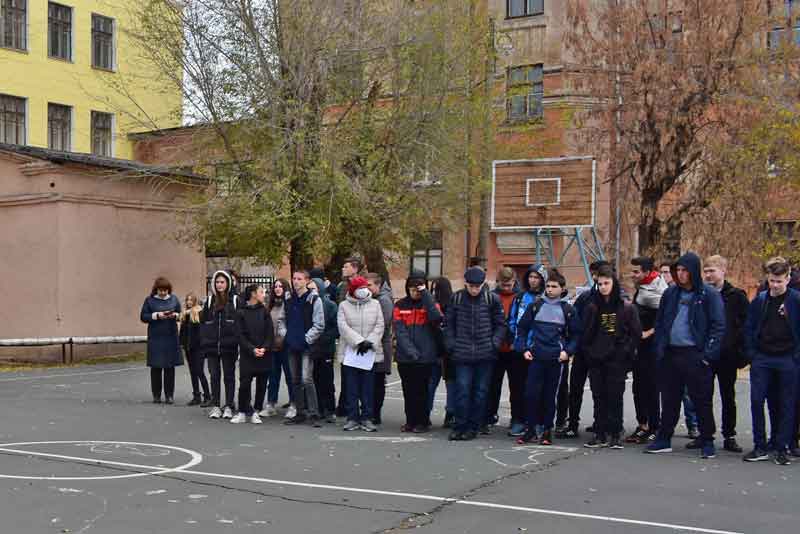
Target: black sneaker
{"points": [[730, 445], [693, 432], [456, 436], [296, 420], [207, 403], [469, 436], [615, 443], [486, 430], [780, 458], [572, 433], [598, 442], [315, 421], [194, 402], [589, 429], [695, 444], [421, 429], [636, 436], [528, 437], [156, 400], [756, 455], [560, 429], [169, 400]]}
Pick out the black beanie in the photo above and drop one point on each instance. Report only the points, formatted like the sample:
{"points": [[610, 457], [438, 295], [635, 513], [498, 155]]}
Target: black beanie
{"points": [[475, 275]]}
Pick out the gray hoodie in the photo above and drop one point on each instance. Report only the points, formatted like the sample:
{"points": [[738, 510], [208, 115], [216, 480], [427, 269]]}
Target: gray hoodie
{"points": [[386, 300]]}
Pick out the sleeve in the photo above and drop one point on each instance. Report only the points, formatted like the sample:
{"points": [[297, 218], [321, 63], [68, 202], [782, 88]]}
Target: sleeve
{"points": [[512, 317], [318, 322], [740, 317], [183, 333], [451, 325], [716, 329], [269, 338], [634, 328], [376, 335], [403, 336], [177, 306], [660, 336], [750, 329], [524, 326], [387, 308], [348, 335], [573, 333], [146, 314], [434, 313], [244, 335], [498, 322]]}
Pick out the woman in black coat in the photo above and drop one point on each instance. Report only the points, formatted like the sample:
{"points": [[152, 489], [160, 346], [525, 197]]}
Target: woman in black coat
{"points": [[161, 311], [190, 341]]}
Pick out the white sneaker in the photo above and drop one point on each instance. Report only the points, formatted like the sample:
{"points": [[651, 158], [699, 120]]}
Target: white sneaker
{"points": [[215, 413], [239, 418], [269, 411], [255, 419], [227, 413], [291, 413]]}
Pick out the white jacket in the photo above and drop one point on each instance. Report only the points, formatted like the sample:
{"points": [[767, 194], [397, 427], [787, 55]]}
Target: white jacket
{"points": [[360, 320]]}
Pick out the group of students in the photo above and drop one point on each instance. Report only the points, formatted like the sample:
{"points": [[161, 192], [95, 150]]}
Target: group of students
{"points": [[685, 327]]}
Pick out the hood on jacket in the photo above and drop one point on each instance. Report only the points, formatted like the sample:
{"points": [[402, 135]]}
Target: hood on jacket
{"points": [[320, 283], [691, 262], [386, 290], [357, 301], [539, 269], [214, 281], [615, 299], [415, 276]]}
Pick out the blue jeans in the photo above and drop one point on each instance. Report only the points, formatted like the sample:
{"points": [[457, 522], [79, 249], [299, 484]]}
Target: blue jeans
{"points": [[360, 387], [541, 389], [778, 373], [471, 394], [689, 412], [280, 361], [436, 377]]}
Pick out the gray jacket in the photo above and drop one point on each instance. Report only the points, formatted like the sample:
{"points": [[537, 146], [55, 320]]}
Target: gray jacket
{"points": [[386, 300]]}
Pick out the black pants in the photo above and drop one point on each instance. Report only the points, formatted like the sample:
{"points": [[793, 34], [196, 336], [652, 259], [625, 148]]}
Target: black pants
{"points": [[725, 374], [218, 368], [515, 366], [197, 374], [326, 388], [341, 407], [646, 398], [415, 379], [683, 367], [378, 395], [169, 381], [578, 375], [562, 399], [608, 388], [502, 367], [246, 377]]}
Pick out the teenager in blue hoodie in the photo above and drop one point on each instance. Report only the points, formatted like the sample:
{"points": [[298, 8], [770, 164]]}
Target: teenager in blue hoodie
{"points": [[690, 325], [549, 330]]}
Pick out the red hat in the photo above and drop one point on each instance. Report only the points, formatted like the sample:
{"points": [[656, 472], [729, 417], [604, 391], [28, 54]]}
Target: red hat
{"points": [[356, 282]]}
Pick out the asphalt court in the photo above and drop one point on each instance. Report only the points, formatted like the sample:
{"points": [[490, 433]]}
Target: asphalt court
{"points": [[81, 450]]}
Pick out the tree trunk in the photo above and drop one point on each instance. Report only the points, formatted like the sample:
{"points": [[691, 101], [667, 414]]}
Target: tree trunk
{"points": [[649, 227], [373, 257]]}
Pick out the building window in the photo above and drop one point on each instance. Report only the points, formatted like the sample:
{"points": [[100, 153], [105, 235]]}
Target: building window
{"points": [[12, 24], [102, 133], [59, 127], [59, 31], [12, 120], [785, 16], [525, 93], [102, 42], [524, 8], [426, 254]]}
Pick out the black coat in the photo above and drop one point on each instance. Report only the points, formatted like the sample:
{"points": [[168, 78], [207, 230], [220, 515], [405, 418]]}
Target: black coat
{"points": [[629, 332], [736, 305], [218, 330], [475, 327], [190, 335], [255, 332], [163, 348]]}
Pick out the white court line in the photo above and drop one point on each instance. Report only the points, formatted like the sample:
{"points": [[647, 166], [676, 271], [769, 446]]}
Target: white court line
{"points": [[390, 384], [38, 377], [414, 496]]}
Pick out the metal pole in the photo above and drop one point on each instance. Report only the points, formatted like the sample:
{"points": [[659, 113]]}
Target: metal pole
{"points": [[582, 250]]}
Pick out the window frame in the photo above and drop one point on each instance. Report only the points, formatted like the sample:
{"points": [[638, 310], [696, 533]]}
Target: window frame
{"points": [[93, 137], [23, 124], [432, 242], [526, 5], [21, 36], [533, 80], [112, 38], [70, 41], [69, 122]]}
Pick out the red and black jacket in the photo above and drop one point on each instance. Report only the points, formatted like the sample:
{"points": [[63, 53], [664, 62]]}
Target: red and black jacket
{"points": [[417, 327]]}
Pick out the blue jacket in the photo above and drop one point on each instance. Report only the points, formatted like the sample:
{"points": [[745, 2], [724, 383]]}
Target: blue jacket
{"points": [[547, 340], [521, 302], [706, 313], [163, 346], [755, 320], [475, 327]]}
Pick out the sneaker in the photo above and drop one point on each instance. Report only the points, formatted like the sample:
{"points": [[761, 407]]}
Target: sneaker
{"points": [[255, 419], [287, 405], [331, 419], [693, 432], [560, 429], [227, 413], [615, 443], [547, 438], [598, 442], [369, 426], [207, 403], [169, 400], [421, 429], [350, 426], [730, 445], [455, 436], [695, 444], [194, 402], [291, 413], [215, 413], [156, 400], [709, 451], [469, 436], [780, 458], [572, 433], [298, 419], [238, 418], [659, 446], [493, 419], [589, 429], [637, 436], [756, 455], [528, 437], [486, 430], [517, 430], [269, 411]]}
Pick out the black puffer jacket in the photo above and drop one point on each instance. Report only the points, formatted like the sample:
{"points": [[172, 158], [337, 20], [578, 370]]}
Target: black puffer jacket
{"points": [[219, 335], [475, 327], [255, 332], [736, 305]]}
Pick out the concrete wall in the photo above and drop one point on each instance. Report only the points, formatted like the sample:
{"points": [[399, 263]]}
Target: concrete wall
{"points": [[80, 250]]}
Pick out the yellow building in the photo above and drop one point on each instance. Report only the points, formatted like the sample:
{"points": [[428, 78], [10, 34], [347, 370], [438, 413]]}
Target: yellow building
{"points": [[71, 78]]}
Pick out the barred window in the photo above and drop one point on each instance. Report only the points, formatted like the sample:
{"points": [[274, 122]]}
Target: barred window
{"points": [[59, 127], [102, 133], [12, 120], [59, 31], [524, 8], [102, 42], [13, 32], [525, 93]]}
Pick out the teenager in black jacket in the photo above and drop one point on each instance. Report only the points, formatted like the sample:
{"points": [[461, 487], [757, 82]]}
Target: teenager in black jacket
{"points": [[190, 342], [611, 333], [255, 342]]}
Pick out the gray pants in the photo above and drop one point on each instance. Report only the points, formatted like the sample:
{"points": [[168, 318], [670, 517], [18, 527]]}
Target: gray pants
{"points": [[305, 393]]}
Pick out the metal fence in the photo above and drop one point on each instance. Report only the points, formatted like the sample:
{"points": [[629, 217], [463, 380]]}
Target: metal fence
{"points": [[243, 282]]}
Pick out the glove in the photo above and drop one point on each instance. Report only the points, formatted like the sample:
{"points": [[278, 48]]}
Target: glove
{"points": [[363, 347]]}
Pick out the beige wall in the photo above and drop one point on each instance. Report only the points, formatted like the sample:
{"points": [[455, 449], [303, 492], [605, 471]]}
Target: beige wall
{"points": [[78, 257]]}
